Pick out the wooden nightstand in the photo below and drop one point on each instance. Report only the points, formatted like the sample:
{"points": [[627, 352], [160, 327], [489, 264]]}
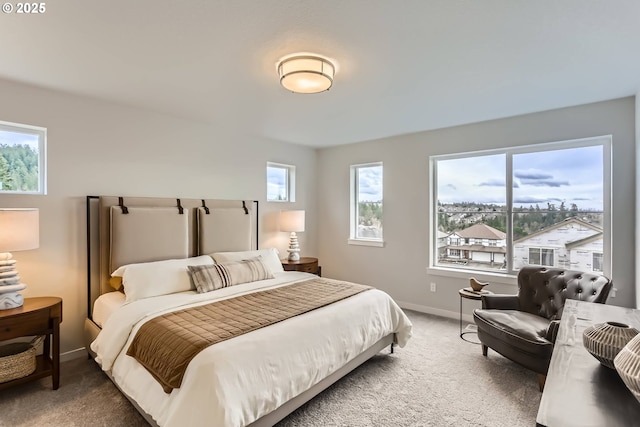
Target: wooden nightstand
{"points": [[38, 316], [306, 264]]}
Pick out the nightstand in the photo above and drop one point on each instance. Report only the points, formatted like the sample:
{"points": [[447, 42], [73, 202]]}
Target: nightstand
{"points": [[306, 264], [37, 316]]}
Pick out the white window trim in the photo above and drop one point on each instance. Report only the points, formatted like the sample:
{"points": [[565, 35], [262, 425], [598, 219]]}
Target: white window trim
{"points": [[353, 208], [366, 242], [508, 276], [41, 132], [291, 181]]}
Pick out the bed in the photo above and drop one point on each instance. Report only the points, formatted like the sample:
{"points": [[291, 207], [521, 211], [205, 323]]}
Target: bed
{"points": [[150, 246]]}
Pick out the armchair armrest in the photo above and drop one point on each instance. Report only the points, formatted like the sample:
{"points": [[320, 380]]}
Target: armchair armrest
{"points": [[500, 302], [552, 331]]}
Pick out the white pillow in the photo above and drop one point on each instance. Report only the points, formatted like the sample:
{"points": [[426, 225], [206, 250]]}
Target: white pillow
{"points": [[150, 279], [269, 257]]}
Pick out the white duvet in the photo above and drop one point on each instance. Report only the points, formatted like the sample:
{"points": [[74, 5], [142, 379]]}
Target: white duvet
{"points": [[237, 381]]}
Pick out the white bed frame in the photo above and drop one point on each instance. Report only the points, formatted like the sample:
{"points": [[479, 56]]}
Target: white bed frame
{"points": [[98, 274]]}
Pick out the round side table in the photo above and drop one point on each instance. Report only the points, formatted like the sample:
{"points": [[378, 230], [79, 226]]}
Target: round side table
{"points": [[469, 293]]}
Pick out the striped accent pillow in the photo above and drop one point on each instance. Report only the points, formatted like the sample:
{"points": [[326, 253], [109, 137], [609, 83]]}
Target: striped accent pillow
{"points": [[207, 278]]}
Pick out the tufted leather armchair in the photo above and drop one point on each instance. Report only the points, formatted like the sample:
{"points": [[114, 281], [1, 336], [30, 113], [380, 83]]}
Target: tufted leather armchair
{"points": [[523, 327]]}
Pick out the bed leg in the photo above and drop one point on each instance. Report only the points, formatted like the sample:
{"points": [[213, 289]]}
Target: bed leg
{"points": [[392, 344]]}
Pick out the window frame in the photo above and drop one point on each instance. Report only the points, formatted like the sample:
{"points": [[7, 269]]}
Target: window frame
{"points": [[41, 133], [509, 274], [290, 184], [354, 211]]}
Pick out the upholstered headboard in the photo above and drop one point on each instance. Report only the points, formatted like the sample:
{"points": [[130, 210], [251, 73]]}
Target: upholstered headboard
{"points": [[126, 230]]}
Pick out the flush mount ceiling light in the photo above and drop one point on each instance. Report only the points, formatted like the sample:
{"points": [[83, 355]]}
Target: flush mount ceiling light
{"points": [[306, 73]]}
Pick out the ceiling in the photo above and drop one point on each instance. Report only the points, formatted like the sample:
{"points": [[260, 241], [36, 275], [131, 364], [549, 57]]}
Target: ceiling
{"points": [[403, 66]]}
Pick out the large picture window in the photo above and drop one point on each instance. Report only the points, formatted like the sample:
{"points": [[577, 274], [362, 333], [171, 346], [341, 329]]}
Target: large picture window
{"points": [[500, 210], [22, 159], [366, 203]]}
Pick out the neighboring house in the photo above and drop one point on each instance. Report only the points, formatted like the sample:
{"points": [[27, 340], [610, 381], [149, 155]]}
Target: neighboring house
{"points": [[442, 243], [479, 243], [571, 243]]}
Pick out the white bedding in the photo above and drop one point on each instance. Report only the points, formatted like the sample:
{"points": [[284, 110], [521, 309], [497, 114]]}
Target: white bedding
{"points": [[237, 381], [105, 305]]}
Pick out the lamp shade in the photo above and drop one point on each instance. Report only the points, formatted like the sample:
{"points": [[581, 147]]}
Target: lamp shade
{"points": [[306, 73], [292, 221], [19, 230]]}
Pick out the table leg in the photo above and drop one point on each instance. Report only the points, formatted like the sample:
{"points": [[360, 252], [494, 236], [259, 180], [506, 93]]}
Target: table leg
{"points": [[56, 353], [460, 316]]}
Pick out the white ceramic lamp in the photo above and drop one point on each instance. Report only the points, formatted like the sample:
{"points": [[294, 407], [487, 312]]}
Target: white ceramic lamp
{"points": [[292, 221], [19, 231]]}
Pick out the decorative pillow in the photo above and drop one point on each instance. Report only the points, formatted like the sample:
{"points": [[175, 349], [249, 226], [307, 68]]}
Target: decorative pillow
{"points": [[116, 282], [269, 257], [208, 278], [150, 279]]}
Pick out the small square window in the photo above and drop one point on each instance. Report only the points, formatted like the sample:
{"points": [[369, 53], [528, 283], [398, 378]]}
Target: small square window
{"points": [[22, 159], [280, 182]]}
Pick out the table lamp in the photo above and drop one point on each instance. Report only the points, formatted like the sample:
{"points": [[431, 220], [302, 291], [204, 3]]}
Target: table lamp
{"points": [[19, 231], [292, 221]]}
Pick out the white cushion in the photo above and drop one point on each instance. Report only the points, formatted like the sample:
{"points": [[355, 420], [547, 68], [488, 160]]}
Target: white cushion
{"points": [[150, 279], [269, 257]]}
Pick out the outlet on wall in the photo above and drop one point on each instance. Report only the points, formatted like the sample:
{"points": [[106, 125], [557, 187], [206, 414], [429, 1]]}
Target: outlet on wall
{"points": [[612, 293], [433, 287]]}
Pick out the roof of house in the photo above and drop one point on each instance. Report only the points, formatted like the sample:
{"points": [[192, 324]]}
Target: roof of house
{"points": [[482, 231], [480, 248], [442, 234], [580, 242], [561, 224]]}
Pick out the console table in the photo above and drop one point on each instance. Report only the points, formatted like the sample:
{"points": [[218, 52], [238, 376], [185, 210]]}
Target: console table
{"points": [[580, 391]]}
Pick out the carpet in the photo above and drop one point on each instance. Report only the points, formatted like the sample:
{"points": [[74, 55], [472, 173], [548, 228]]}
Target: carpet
{"points": [[436, 380]]}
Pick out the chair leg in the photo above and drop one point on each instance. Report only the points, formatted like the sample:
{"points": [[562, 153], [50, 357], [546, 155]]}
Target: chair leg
{"points": [[541, 380], [485, 349]]}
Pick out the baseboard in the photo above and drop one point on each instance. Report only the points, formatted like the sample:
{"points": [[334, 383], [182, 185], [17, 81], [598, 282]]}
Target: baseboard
{"points": [[73, 354], [435, 311]]}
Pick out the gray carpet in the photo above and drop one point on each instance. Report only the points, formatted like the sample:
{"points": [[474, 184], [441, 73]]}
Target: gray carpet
{"points": [[436, 380]]}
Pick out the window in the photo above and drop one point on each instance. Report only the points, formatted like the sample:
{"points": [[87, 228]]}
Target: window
{"points": [[22, 159], [597, 262], [366, 204], [547, 204], [280, 182], [539, 256]]}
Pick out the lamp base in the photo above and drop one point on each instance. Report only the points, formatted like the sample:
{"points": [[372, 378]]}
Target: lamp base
{"points": [[11, 300], [9, 283], [294, 247]]}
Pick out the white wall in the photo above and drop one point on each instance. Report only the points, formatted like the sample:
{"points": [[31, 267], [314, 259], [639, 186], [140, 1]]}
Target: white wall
{"points": [[97, 148], [400, 267], [637, 179]]}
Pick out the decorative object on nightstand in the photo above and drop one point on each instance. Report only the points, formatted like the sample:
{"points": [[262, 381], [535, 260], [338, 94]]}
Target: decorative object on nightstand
{"points": [[292, 221], [605, 340], [627, 364], [475, 285], [19, 231]]}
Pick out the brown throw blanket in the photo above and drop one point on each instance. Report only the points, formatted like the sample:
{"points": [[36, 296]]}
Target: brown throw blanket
{"points": [[166, 344]]}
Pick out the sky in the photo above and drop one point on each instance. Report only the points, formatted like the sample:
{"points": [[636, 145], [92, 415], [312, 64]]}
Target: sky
{"points": [[15, 138], [370, 184], [572, 175], [276, 183]]}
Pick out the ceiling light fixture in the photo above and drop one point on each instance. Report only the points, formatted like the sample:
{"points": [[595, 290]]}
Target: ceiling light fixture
{"points": [[306, 73]]}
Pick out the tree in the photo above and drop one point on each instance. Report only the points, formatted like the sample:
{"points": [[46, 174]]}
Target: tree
{"points": [[6, 180]]}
